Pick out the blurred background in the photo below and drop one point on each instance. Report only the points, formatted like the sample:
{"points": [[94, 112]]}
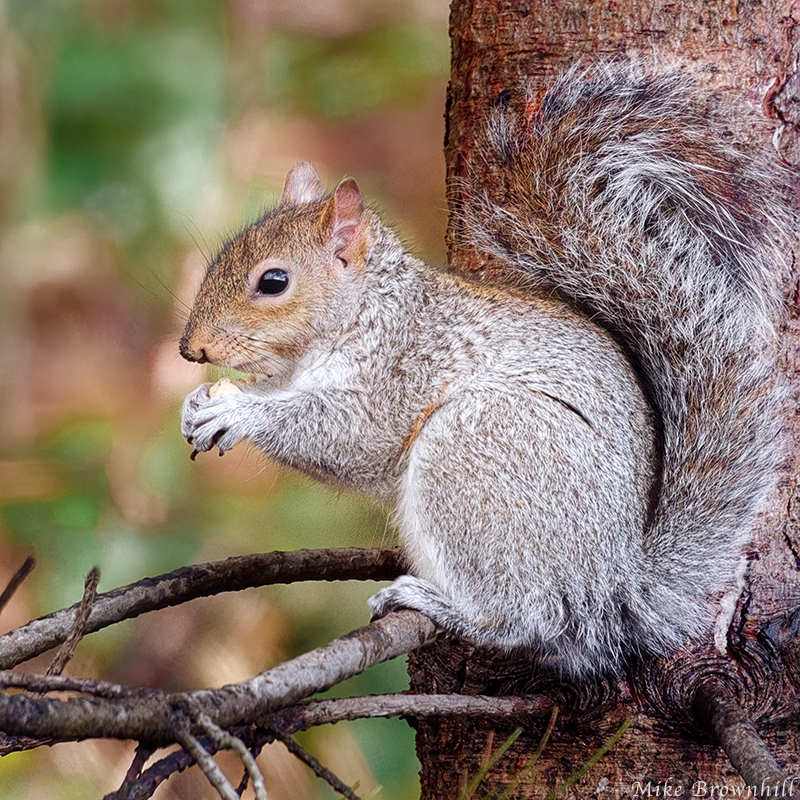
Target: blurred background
{"points": [[135, 135]]}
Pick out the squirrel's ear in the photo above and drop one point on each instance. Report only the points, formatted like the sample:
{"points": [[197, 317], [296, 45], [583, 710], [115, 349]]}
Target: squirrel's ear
{"points": [[348, 214], [302, 186]]}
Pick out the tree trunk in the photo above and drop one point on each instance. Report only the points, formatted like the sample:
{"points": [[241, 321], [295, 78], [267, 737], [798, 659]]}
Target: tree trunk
{"points": [[744, 54]]}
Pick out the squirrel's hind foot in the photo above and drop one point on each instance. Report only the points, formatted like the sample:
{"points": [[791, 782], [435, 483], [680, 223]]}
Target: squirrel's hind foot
{"points": [[419, 595]]}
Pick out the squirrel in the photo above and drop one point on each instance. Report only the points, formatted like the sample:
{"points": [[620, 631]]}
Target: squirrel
{"points": [[574, 453]]}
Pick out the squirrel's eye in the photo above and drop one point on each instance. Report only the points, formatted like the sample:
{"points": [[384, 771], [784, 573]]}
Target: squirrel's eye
{"points": [[273, 281]]}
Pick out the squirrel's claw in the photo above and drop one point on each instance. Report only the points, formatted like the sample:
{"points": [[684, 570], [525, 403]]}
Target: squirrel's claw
{"points": [[417, 594], [208, 422]]}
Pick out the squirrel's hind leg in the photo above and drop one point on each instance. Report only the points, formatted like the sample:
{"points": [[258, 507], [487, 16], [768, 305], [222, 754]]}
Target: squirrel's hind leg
{"points": [[416, 593]]}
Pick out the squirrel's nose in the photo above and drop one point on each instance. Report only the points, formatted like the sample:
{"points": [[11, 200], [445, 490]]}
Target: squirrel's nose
{"points": [[190, 354]]}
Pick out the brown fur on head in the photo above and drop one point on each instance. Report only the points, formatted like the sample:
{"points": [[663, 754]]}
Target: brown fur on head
{"points": [[262, 298]]}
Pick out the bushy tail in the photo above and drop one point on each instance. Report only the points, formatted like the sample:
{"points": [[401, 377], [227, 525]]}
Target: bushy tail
{"points": [[621, 197]]}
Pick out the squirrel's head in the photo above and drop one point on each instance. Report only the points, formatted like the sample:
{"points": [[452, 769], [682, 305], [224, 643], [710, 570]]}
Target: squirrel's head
{"points": [[270, 290]]}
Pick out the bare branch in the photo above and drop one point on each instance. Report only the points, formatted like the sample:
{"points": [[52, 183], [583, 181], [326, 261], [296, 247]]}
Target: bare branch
{"points": [[42, 684], [202, 580], [206, 763], [717, 709], [321, 712], [18, 744], [149, 715], [225, 739], [144, 784], [16, 581], [322, 772], [140, 758], [78, 628]]}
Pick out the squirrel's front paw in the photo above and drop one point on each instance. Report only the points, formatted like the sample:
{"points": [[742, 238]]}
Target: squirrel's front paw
{"points": [[208, 421]]}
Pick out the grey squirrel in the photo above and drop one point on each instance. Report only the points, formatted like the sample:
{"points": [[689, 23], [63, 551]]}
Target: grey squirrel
{"points": [[573, 459]]}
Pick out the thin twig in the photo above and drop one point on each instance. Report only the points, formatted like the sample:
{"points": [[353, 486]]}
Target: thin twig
{"points": [[206, 763], [321, 772], [225, 739], [145, 784], [202, 580], [76, 632], [16, 581], [140, 758], [717, 709], [126, 792], [19, 744], [42, 684]]}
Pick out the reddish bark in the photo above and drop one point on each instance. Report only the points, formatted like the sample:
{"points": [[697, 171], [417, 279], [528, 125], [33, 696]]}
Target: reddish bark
{"points": [[743, 53]]}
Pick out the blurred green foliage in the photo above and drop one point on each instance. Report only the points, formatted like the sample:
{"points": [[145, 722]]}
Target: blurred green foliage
{"points": [[337, 78], [119, 110], [133, 112], [127, 107]]}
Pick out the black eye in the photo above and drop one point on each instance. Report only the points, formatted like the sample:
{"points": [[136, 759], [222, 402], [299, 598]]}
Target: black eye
{"points": [[273, 281]]}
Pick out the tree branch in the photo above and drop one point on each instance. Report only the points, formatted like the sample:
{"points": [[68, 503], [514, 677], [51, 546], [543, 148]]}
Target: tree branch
{"points": [[316, 767], [42, 684], [78, 628], [716, 708], [138, 784], [149, 715], [311, 713], [203, 759], [16, 581], [202, 580], [223, 738], [320, 712]]}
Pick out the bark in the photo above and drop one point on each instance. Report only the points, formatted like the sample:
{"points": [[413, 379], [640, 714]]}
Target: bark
{"points": [[744, 54], [153, 716]]}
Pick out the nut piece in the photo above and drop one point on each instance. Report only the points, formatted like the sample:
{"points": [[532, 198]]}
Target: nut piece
{"points": [[223, 386]]}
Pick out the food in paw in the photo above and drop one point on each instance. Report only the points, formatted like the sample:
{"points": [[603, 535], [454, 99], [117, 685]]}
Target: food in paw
{"points": [[223, 386]]}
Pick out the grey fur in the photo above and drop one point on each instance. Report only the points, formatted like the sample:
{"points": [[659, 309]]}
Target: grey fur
{"points": [[510, 433]]}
